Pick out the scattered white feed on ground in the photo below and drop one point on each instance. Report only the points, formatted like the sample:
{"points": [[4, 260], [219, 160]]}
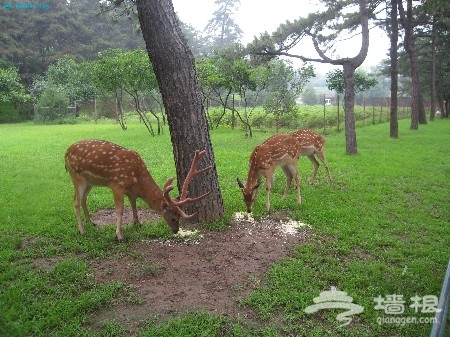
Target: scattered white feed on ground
{"points": [[186, 233], [243, 216], [244, 220], [288, 226], [291, 226], [184, 236]]}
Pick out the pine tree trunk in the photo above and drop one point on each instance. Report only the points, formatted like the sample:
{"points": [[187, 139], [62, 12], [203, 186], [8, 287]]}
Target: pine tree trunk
{"points": [[433, 71], [394, 71], [349, 103], [417, 108], [173, 63]]}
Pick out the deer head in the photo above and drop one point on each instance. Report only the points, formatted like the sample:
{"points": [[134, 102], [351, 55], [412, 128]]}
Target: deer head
{"points": [[99, 163], [249, 193]]}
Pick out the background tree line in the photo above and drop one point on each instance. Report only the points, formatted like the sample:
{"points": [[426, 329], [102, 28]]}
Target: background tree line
{"points": [[79, 29], [34, 39]]}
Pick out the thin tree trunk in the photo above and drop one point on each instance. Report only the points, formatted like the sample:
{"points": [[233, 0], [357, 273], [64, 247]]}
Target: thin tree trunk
{"points": [[394, 71], [433, 71], [349, 102]]}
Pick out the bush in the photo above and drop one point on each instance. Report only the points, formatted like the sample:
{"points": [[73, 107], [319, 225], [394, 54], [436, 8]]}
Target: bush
{"points": [[52, 108]]}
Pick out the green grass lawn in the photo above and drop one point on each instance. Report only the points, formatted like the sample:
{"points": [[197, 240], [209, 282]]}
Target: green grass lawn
{"points": [[382, 228]]}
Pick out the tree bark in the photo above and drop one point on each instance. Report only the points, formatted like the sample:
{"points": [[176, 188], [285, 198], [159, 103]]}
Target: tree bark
{"points": [[433, 71], [417, 108], [394, 71], [174, 67], [349, 104]]}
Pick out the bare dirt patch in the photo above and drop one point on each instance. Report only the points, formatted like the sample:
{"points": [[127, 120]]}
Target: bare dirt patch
{"points": [[211, 273]]}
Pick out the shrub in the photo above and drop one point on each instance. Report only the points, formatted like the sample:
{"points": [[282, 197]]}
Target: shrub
{"points": [[52, 108]]}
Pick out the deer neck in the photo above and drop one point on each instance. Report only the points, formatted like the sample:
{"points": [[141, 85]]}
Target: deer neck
{"points": [[151, 193], [254, 174]]}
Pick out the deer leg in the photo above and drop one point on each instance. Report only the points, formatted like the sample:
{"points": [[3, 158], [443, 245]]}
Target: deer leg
{"points": [[316, 167], [297, 184], [134, 209], [76, 205], [79, 188], [321, 156], [269, 179], [83, 200], [118, 202], [288, 173], [293, 170], [255, 190]]}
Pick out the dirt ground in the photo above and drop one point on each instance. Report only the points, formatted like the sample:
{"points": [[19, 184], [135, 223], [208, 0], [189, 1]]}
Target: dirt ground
{"points": [[212, 273]]}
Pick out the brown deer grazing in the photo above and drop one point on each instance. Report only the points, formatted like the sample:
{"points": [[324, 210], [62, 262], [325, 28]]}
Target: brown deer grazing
{"points": [[279, 150], [100, 163], [313, 144]]}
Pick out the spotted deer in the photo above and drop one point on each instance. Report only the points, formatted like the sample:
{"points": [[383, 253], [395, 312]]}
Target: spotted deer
{"points": [[100, 163], [313, 144], [279, 150]]}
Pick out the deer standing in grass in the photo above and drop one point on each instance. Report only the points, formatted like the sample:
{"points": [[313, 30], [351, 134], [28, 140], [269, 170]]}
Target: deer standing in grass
{"points": [[313, 144], [100, 163], [279, 150]]}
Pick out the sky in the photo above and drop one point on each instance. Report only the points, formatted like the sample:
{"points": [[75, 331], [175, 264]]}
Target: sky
{"points": [[255, 17]]}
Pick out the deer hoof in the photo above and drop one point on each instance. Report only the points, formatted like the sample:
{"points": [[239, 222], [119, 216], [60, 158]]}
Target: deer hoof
{"points": [[122, 240]]}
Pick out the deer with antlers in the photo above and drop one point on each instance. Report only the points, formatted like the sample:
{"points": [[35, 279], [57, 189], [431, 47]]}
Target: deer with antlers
{"points": [[313, 144], [100, 163], [279, 150]]}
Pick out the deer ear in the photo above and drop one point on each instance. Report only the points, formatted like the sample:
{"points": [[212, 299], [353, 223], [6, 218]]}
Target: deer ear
{"points": [[256, 186], [241, 185]]}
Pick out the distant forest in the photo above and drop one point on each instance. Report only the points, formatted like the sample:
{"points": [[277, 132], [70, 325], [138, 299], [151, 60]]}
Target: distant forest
{"points": [[33, 38]]}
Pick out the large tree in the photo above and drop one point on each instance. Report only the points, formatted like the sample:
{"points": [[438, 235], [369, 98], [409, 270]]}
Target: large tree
{"points": [[409, 42], [335, 19], [222, 29], [433, 44], [173, 63]]}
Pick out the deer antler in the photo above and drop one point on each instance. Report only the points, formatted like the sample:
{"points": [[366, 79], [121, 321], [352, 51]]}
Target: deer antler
{"points": [[175, 203]]}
